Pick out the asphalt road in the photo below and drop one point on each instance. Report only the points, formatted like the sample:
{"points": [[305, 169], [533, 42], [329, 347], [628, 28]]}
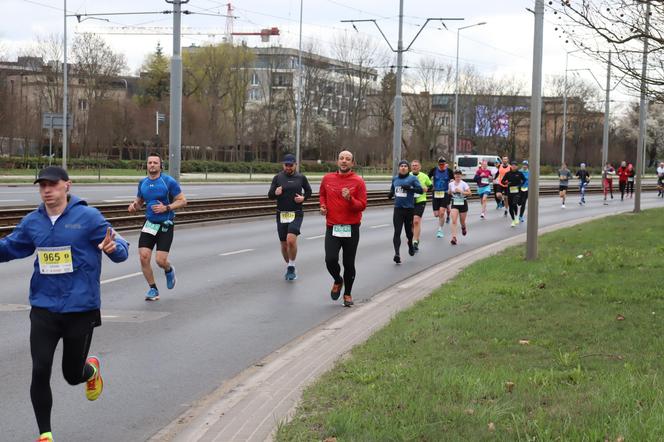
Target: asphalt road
{"points": [[231, 308]]}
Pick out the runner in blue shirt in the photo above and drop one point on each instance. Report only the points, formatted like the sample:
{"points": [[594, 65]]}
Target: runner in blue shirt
{"points": [[441, 177], [524, 190], [161, 195]]}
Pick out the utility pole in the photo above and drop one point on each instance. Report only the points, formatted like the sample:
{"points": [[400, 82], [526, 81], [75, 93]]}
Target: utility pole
{"points": [[640, 148], [175, 121], [535, 134], [605, 135], [298, 97], [64, 94], [398, 99], [396, 138]]}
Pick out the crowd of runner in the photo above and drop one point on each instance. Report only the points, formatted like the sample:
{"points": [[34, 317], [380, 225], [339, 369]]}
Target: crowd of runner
{"points": [[69, 238]]}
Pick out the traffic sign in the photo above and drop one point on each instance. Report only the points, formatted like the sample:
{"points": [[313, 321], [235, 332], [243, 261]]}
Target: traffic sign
{"points": [[52, 120]]}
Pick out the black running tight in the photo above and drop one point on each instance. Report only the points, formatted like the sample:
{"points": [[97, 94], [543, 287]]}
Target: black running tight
{"points": [[523, 199], [630, 187], [513, 202], [45, 334], [402, 218], [333, 245]]}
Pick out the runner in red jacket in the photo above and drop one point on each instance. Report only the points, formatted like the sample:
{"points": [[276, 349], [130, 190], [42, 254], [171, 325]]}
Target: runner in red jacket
{"points": [[343, 198]]}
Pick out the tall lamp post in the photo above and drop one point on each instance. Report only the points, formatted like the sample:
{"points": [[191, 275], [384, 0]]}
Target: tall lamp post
{"points": [[456, 89], [562, 155]]}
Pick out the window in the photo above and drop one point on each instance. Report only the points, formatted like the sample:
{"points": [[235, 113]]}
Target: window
{"points": [[467, 162], [255, 95], [254, 79], [82, 104]]}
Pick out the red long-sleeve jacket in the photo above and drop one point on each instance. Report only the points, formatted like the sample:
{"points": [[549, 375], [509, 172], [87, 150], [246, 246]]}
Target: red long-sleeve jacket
{"points": [[339, 209]]}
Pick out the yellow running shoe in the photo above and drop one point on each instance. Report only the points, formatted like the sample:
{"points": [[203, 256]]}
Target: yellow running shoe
{"points": [[45, 437], [95, 384]]}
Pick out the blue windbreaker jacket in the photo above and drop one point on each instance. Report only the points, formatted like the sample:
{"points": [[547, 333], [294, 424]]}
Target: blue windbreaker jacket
{"points": [[82, 228], [404, 190]]}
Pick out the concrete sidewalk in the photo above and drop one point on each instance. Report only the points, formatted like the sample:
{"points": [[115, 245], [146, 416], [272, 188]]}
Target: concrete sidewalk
{"points": [[250, 406]]}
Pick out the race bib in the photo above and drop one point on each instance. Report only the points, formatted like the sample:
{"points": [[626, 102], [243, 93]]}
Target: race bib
{"points": [[55, 260], [286, 217], [150, 228], [458, 200], [398, 191], [484, 181], [524, 189], [341, 230], [563, 178], [630, 179], [439, 194], [514, 189]]}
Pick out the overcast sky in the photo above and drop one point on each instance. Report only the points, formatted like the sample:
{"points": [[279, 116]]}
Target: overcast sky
{"points": [[501, 47]]}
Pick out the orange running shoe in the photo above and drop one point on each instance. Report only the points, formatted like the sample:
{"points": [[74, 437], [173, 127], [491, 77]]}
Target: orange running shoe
{"points": [[45, 437], [336, 290], [348, 300], [95, 384]]}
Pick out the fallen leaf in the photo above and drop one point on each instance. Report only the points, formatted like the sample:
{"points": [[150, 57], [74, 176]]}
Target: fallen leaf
{"points": [[589, 253], [469, 411], [330, 439], [524, 342], [509, 386], [579, 256], [492, 426], [620, 439], [620, 318], [541, 285]]}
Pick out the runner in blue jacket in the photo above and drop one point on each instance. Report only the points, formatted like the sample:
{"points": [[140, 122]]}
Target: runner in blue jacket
{"points": [[69, 238], [403, 190]]}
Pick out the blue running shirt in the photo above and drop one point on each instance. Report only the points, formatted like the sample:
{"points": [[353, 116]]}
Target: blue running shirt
{"points": [[162, 189]]}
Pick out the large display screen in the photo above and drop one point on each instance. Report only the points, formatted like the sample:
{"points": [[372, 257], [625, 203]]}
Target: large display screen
{"points": [[494, 121]]}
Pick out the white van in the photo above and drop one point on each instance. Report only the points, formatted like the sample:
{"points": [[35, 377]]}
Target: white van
{"points": [[468, 164]]}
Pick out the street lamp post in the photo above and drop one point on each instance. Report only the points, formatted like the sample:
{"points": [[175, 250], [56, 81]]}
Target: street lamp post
{"points": [[562, 155], [456, 89]]}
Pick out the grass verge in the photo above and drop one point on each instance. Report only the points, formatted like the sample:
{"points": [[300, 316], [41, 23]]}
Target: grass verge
{"points": [[570, 347]]}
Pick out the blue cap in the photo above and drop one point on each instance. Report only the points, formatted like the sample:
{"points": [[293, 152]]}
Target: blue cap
{"points": [[289, 158]]}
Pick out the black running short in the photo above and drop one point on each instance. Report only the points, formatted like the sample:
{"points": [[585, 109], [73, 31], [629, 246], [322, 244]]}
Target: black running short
{"points": [[437, 203], [562, 188], [68, 325], [497, 188], [461, 209], [163, 239], [283, 229], [419, 209]]}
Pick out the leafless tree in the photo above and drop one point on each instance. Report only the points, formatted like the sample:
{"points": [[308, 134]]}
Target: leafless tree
{"points": [[599, 26], [96, 70]]}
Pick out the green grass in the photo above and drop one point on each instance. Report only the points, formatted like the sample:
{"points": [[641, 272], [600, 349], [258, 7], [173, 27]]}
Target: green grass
{"points": [[440, 370]]}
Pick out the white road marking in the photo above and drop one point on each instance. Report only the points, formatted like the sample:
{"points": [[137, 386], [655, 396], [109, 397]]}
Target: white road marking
{"points": [[119, 278], [236, 252], [379, 226], [10, 201], [109, 316], [316, 237]]}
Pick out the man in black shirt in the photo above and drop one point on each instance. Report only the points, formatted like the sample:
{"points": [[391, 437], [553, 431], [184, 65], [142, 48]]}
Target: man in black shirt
{"points": [[290, 189], [512, 182]]}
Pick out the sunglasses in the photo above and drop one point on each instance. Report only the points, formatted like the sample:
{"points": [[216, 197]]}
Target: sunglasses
{"points": [[288, 164]]}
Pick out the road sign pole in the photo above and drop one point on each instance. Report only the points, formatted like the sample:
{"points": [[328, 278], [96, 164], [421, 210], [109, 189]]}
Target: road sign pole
{"points": [[50, 142]]}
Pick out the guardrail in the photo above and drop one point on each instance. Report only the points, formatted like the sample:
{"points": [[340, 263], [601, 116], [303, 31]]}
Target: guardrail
{"points": [[205, 210]]}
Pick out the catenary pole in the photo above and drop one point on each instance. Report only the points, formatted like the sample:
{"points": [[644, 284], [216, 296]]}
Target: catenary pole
{"points": [[607, 107], [298, 96], [640, 148], [175, 120], [535, 134], [398, 99], [64, 93]]}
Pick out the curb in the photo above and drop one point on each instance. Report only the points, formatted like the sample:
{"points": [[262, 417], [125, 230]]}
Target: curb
{"points": [[251, 405]]}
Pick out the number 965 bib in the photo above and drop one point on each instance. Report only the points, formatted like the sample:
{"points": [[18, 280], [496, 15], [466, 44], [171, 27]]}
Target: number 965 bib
{"points": [[55, 260]]}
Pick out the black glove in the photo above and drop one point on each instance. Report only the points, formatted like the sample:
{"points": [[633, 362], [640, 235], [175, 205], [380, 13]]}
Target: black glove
{"points": [[406, 187]]}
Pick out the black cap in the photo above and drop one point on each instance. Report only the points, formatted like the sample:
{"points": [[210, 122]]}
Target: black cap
{"points": [[289, 158], [52, 173], [442, 160], [514, 163], [402, 162]]}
